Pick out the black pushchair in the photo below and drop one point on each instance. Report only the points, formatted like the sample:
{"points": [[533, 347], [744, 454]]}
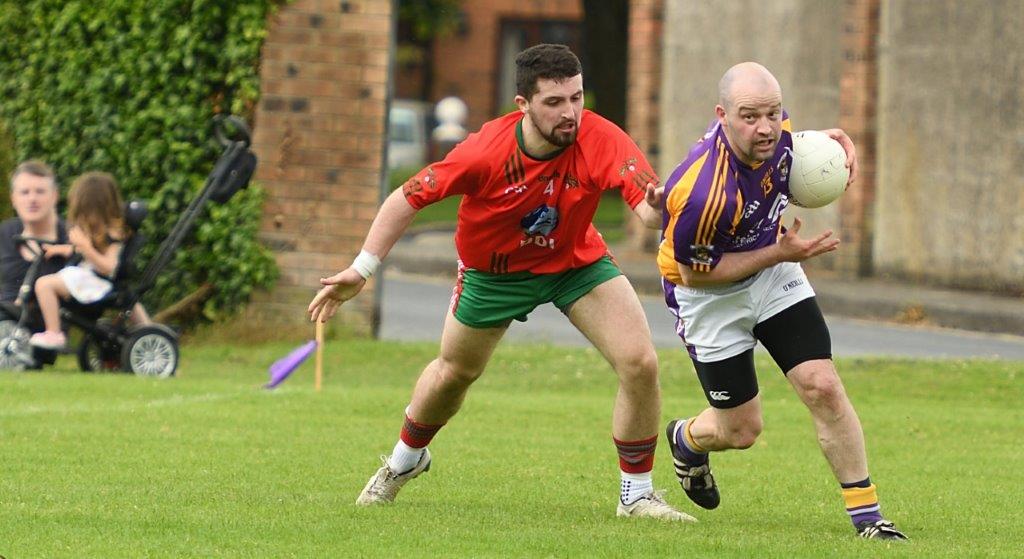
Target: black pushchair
{"points": [[114, 344]]}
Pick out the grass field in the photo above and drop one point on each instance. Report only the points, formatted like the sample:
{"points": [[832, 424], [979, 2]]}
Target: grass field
{"points": [[208, 465]]}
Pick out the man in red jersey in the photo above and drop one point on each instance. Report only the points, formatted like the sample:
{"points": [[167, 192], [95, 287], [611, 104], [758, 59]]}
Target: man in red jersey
{"points": [[530, 183]]}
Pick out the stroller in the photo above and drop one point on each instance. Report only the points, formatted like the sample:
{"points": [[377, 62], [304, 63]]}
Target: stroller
{"points": [[113, 344]]}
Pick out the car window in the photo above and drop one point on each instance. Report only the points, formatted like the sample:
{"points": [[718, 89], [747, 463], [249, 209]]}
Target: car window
{"points": [[403, 125]]}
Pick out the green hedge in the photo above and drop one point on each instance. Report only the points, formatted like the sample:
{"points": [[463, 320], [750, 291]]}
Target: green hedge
{"points": [[130, 87]]}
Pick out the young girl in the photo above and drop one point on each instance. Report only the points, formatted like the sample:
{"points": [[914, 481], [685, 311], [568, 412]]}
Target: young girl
{"points": [[96, 220]]}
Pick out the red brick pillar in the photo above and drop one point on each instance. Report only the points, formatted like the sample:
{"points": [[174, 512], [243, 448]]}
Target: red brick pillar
{"points": [[857, 103], [643, 93], [319, 135]]}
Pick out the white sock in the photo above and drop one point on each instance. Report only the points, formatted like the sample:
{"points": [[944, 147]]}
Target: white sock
{"points": [[635, 486], [404, 458]]}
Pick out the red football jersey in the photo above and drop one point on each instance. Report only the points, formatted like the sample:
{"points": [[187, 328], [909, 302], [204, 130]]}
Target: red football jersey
{"points": [[520, 213]]}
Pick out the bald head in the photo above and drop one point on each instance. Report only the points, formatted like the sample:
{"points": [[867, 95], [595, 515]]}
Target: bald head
{"points": [[750, 112], [746, 79]]}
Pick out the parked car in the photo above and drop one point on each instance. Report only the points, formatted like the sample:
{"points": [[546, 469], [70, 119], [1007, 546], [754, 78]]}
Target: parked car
{"points": [[409, 127]]}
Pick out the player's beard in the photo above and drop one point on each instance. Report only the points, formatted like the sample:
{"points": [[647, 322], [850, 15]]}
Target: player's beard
{"points": [[746, 150], [556, 138], [760, 155]]}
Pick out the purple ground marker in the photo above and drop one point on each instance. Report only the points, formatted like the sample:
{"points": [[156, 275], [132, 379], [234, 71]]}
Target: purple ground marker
{"points": [[286, 365]]}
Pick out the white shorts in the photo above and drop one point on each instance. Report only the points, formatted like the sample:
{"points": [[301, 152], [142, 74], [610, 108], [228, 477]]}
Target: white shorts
{"points": [[717, 323], [83, 284]]}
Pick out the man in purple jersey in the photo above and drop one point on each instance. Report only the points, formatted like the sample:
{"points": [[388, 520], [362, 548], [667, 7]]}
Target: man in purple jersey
{"points": [[732, 277]]}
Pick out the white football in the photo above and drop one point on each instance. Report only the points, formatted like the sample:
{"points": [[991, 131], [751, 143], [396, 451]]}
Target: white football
{"points": [[818, 174]]}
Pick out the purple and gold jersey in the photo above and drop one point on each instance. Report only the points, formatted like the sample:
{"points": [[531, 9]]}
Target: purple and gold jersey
{"points": [[716, 204]]}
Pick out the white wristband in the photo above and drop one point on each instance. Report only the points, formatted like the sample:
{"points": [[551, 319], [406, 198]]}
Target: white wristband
{"points": [[366, 264]]}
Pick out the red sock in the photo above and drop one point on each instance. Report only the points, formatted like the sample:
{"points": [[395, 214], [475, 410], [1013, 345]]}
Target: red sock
{"points": [[636, 457], [418, 435]]}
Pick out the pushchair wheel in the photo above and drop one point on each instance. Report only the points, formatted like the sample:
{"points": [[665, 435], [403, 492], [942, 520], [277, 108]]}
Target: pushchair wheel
{"points": [[98, 355], [15, 353], [151, 351]]}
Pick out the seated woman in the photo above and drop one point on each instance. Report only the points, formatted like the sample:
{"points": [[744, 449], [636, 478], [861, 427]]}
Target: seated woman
{"points": [[34, 198]]}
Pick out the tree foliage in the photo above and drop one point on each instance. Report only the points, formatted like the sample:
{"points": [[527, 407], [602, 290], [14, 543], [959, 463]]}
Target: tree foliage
{"points": [[130, 87], [427, 19]]}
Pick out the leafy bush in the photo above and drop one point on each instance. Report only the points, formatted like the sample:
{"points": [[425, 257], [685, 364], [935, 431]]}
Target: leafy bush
{"points": [[130, 87], [7, 164]]}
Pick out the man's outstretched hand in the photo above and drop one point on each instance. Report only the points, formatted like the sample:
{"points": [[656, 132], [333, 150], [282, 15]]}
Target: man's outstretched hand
{"points": [[795, 249], [337, 289]]}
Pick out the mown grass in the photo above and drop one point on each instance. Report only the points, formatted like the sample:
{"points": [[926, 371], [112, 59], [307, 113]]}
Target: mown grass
{"points": [[209, 465]]}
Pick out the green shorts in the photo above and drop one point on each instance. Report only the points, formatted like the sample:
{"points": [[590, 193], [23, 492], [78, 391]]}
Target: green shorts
{"points": [[485, 300]]}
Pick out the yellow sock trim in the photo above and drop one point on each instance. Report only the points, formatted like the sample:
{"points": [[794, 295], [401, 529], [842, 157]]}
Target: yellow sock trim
{"points": [[689, 439], [860, 496]]}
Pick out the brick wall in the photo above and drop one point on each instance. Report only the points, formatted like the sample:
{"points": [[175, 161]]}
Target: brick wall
{"points": [[642, 98], [858, 91], [465, 64], [319, 133]]}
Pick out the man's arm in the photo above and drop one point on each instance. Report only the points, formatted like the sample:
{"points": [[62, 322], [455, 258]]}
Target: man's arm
{"points": [[392, 220], [734, 266], [650, 208]]}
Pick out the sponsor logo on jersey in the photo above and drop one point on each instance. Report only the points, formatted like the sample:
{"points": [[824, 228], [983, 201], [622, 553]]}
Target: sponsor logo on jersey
{"points": [[548, 178], [628, 165], [516, 189], [430, 179], [539, 240], [640, 177], [538, 225], [779, 206], [766, 182], [541, 221], [702, 254], [749, 238], [411, 187], [415, 184]]}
